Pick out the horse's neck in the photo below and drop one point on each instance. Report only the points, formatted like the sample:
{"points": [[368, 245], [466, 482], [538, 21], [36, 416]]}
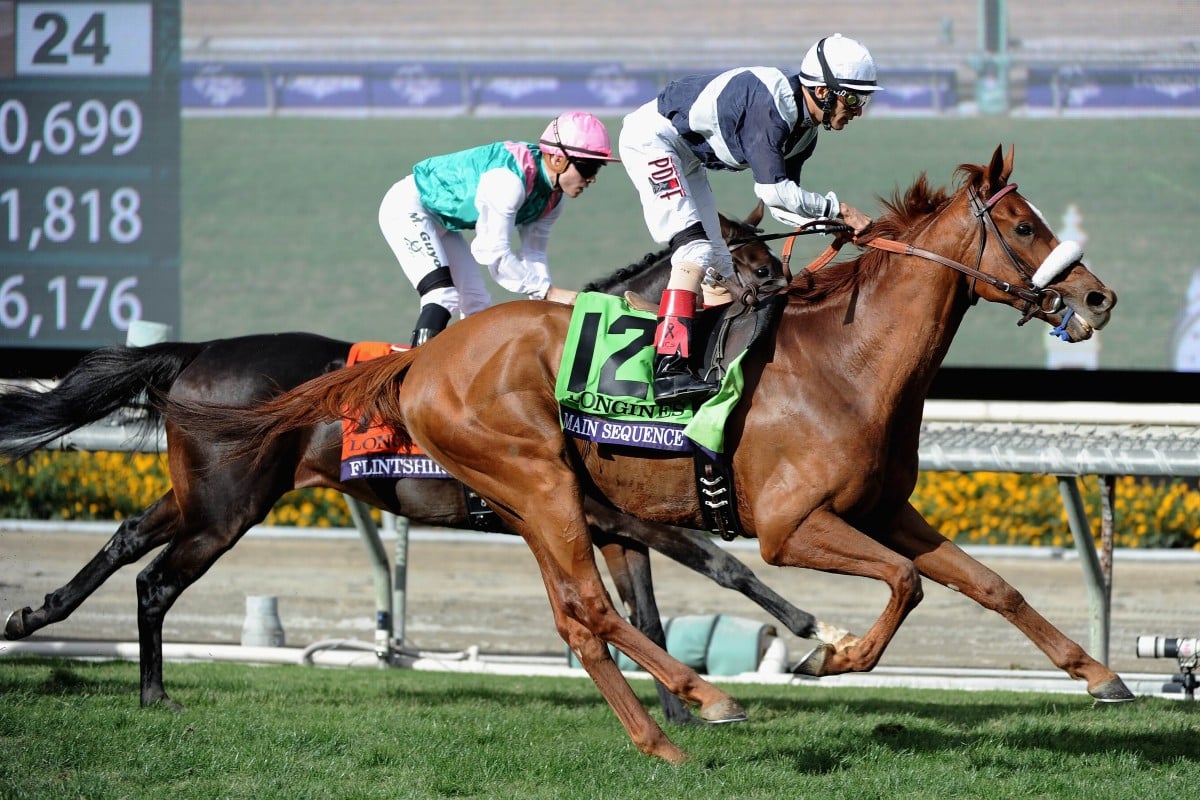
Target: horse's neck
{"points": [[649, 283], [911, 310], [647, 278], [890, 331]]}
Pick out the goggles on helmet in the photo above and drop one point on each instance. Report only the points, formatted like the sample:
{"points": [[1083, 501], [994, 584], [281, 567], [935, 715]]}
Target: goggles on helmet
{"points": [[853, 100]]}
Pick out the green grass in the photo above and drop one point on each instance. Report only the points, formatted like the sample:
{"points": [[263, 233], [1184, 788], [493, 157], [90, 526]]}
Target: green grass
{"points": [[280, 231], [73, 729]]}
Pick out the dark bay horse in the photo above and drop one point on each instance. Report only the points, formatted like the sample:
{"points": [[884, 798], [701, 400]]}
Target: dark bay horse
{"points": [[212, 504], [824, 449]]}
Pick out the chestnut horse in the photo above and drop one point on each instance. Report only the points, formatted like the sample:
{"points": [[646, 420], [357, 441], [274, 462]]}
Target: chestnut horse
{"points": [[824, 445], [212, 504]]}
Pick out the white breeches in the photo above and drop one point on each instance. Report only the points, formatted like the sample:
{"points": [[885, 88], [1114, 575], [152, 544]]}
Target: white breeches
{"points": [[673, 187], [421, 245]]}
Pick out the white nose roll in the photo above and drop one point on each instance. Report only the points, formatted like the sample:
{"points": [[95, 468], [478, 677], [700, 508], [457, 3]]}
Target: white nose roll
{"points": [[1061, 257]]}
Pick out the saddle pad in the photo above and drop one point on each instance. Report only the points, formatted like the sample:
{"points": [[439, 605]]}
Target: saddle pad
{"points": [[372, 451], [605, 384]]}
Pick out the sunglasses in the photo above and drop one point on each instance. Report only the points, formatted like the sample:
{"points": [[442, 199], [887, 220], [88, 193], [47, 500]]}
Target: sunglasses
{"points": [[586, 167]]}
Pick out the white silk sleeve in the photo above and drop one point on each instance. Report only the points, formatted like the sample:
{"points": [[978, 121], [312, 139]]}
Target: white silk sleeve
{"points": [[789, 196], [498, 199], [535, 239]]}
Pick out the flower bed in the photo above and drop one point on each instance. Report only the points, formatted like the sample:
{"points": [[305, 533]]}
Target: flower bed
{"points": [[969, 508]]}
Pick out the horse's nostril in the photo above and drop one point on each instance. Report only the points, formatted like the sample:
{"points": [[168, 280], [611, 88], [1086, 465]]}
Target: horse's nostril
{"points": [[1101, 299]]}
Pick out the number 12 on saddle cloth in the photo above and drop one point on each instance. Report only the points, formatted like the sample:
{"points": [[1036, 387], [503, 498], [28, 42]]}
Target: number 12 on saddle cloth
{"points": [[372, 451], [605, 384]]}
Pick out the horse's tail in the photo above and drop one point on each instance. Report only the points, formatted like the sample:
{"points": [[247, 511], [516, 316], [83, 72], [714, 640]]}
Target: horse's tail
{"points": [[103, 382], [368, 391]]}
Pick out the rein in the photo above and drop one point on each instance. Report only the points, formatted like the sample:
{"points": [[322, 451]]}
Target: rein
{"points": [[815, 226], [1033, 295]]}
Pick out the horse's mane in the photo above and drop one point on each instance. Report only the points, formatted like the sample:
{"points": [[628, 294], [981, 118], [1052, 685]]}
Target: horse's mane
{"points": [[625, 273], [903, 212]]}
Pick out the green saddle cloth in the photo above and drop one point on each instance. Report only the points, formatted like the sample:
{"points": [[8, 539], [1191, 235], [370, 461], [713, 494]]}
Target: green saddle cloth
{"points": [[605, 386]]}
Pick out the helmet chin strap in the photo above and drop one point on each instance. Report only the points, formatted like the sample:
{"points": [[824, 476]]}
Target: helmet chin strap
{"points": [[827, 106], [831, 86]]}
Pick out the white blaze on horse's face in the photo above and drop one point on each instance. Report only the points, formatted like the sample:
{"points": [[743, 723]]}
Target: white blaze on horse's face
{"points": [[1061, 257], [1040, 215]]}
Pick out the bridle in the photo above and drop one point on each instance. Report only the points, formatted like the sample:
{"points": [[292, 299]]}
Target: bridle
{"points": [[1033, 290]]}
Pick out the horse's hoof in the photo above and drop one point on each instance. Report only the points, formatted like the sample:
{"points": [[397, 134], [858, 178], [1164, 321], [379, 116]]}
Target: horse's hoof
{"points": [[1112, 691], [814, 663], [164, 702], [671, 754], [14, 627], [727, 710]]}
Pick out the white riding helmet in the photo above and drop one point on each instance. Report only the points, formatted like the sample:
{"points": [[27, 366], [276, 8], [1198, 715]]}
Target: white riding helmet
{"points": [[848, 65]]}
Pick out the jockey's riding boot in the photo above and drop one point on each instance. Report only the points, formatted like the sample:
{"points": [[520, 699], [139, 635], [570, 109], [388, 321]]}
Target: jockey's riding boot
{"points": [[422, 335], [673, 378], [432, 320]]}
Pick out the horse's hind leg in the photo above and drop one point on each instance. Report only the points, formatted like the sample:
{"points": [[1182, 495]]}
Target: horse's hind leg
{"points": [[187, 557], [557, 535], [134, 538], [629, 565], [604, 672], [946, 563]]}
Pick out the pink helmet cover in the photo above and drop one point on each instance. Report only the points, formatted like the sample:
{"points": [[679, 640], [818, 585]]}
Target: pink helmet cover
{"points": [[577, 134]]}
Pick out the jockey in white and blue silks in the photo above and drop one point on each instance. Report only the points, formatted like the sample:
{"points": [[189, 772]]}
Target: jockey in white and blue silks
{"points": [[495, 190], [758, 118]]}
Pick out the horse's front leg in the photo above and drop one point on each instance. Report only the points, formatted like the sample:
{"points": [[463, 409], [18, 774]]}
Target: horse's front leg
{"points": [[824, 541], [943, 561], [697, 552]]}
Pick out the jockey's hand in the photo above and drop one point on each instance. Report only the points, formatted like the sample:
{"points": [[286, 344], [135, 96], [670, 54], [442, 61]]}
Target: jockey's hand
{"points": [[855, 218], [564, 296]]}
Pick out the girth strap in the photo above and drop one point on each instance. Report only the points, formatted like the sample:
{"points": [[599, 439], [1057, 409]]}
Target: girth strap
{"points": [[718, 503], [479, 514]]}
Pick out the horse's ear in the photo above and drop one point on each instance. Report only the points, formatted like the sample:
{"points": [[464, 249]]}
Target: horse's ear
{"points": [[755, 216], [728, 229], [999, 170]]}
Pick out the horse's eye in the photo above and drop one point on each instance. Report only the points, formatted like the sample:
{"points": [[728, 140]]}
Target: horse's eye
{"points": [[1025, 229], [762, 272]]}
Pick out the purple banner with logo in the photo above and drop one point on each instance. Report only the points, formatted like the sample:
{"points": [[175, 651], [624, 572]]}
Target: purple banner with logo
{"points": [[224, 86], [416, 87], [556, 86], [917, 90], [446, 87], [331, 85], [1113, 87]]}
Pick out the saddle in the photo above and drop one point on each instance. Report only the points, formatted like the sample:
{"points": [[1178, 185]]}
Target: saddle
{"points": [[727, 332]]}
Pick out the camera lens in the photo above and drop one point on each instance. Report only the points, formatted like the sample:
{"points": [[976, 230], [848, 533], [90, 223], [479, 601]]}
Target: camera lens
{"points": [[1166, 647]]}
